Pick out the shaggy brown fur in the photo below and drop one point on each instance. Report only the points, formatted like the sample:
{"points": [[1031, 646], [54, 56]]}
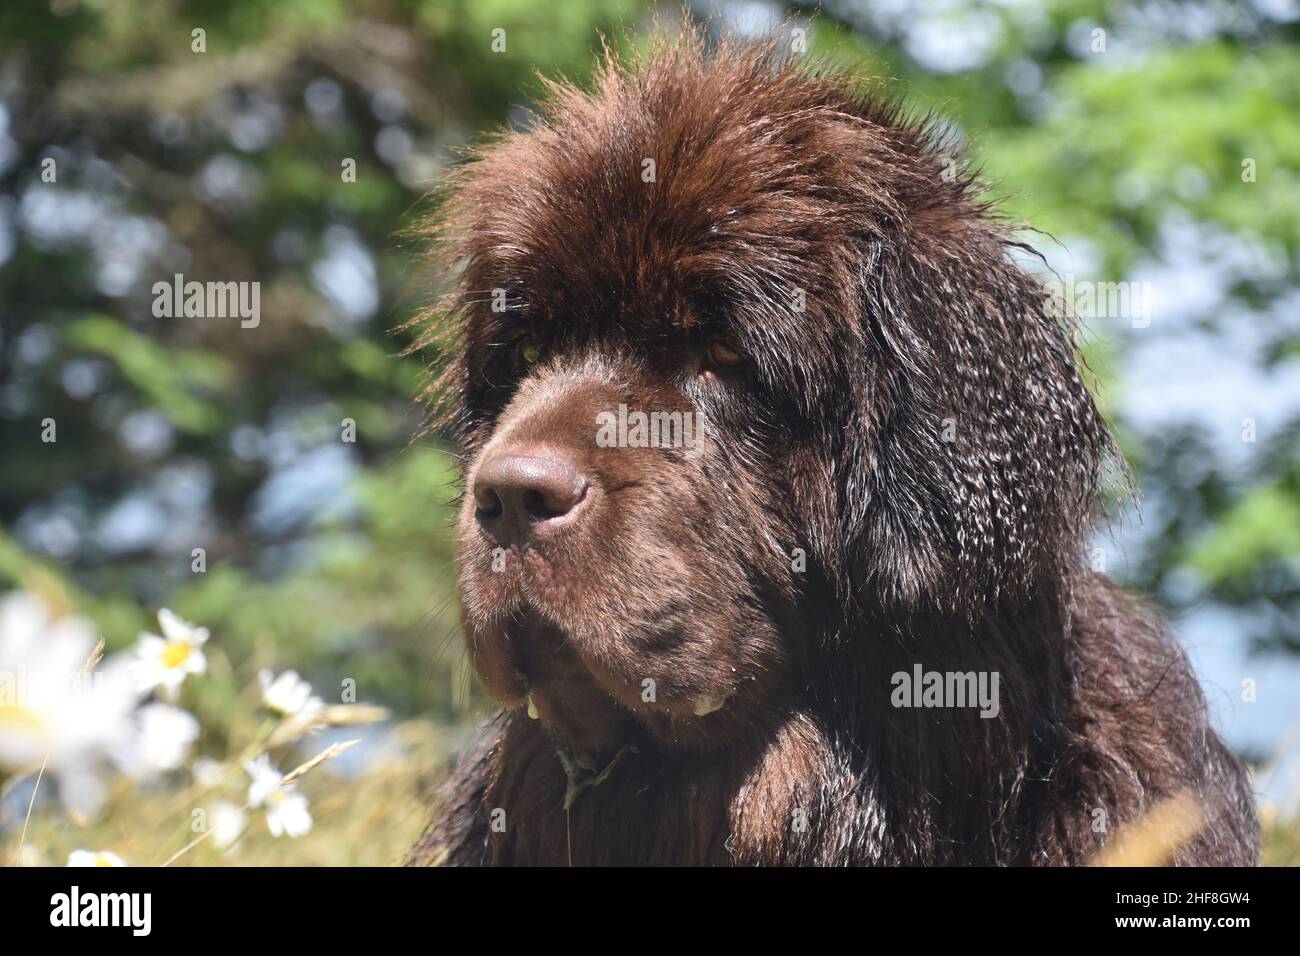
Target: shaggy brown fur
{"points": [[901, 462]]}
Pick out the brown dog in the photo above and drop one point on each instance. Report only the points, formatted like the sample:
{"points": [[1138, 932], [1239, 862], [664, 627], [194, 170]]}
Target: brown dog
{"points": [[778, 470]]}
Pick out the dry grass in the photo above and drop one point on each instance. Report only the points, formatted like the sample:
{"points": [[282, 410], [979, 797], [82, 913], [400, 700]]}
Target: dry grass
{"points": [[371, 819]]}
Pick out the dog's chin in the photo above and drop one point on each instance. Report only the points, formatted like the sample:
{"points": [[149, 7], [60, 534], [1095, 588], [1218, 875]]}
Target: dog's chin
{"points": [[546, 678], [533, 667]]}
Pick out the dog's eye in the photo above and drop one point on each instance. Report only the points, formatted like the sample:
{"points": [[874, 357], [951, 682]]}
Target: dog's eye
{"points": [[722, 355], [527, 352]]}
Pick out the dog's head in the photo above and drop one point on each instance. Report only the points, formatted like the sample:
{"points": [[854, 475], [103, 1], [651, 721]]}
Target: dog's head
{"points": [[727, 336]]}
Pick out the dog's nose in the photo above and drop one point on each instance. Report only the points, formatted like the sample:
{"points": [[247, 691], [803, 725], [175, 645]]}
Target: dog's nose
{"points": [[524, 495]]}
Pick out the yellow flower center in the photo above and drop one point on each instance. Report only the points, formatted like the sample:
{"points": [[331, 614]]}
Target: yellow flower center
{"points": [[18, 718], [102, 860], [175, 654]]}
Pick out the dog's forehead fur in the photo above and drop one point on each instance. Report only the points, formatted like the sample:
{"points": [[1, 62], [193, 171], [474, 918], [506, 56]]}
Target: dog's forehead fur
{"points": [[849, 253], [689, 185]]}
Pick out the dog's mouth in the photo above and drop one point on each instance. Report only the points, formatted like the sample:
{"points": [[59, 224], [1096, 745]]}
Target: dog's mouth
{"points": [[592, 707], [586, 722]]}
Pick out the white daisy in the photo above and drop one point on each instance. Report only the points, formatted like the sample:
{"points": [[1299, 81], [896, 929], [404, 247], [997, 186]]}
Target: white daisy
{"points": [[94, 858], [51, 710], [289, 695], [31, 855], [227, 823], [166, 661], [166, 735], [209, 772], [286, 809]]}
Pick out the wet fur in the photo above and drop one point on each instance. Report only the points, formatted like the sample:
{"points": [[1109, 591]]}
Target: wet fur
{"points": [[962, 554]]}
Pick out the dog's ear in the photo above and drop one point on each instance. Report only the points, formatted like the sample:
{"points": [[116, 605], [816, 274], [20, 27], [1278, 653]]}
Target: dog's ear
{"points": [[980, 450]]}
